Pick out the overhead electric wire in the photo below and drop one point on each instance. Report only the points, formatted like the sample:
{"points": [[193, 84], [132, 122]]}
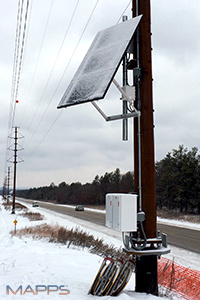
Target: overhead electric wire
{"points": [[37, 146], [58, 54], [17, 67], [43, 138], [14, 75], [38, 58], [15, 62], [57, 117], [20, 62], [17, 74], [65, 72]]}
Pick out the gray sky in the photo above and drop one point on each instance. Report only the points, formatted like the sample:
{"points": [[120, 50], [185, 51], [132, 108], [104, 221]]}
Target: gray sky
{"points": [[76, 144]]}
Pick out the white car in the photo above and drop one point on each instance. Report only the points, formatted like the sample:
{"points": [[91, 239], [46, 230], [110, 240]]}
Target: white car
{"points": [[79, 208]]}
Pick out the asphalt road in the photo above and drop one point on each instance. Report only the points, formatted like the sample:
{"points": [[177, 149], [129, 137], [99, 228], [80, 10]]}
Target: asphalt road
{"points": [[185, 238], [90, 216]]}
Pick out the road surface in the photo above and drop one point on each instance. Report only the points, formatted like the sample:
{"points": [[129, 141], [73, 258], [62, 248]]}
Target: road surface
{"points": [[185, 238]]}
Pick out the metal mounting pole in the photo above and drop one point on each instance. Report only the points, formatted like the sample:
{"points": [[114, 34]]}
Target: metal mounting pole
{"points": [[137, 123], [124, 105]]}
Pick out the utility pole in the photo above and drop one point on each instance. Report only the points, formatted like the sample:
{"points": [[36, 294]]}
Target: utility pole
{"points": [[140, 240], [4, 188], [15, 168], [146, 266], [8, 184], [16, 149]]}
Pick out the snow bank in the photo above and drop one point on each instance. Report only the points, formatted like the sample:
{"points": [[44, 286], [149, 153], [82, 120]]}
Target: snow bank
{"points": [[29, 263]]}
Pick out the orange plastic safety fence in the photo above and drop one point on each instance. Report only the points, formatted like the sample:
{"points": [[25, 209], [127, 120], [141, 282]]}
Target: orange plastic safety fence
{"points": [[178, 279]]}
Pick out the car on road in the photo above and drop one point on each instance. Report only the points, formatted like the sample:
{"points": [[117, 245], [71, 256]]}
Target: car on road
{"points": [[35, 204], [79, 208]]}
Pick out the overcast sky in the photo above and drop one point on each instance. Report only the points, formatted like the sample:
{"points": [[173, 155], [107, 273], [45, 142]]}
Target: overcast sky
{"points": [[76, 144]]}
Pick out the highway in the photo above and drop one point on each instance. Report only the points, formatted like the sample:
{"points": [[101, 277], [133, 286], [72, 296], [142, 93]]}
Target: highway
{"points": [[185, 238]]}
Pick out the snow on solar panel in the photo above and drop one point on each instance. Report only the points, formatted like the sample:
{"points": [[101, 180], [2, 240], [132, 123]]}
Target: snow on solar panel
{"points": [[97, 70]]}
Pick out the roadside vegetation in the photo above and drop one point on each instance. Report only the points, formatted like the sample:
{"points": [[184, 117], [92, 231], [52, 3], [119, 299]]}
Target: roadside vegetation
{"points": [[169, 277], [18, 206], [74, 237], [178, 181], [177, 185], [87, 194], [82, 240], [24, 212], [175, 215]]}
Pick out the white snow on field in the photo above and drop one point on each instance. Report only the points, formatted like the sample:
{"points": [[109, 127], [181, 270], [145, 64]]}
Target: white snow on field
{"points": [[26, 262]]}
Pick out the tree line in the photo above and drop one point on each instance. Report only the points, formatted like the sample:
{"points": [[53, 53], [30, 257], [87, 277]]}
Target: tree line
{"points": [[177, 184], [87, 194], [178, 180]]}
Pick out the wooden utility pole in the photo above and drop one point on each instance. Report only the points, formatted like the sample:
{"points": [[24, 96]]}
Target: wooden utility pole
{"points": [[15, 168], [4, 188], [16, 149], [146, 266], [8, 190]]}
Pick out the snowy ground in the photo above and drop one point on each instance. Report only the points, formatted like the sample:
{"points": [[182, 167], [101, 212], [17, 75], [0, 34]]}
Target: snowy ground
{"points": [[26, 262]]}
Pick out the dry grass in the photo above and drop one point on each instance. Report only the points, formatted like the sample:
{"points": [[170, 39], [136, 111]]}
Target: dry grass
{"points": [[32, 216], [168, 214], [18, 206], [74, 237]]}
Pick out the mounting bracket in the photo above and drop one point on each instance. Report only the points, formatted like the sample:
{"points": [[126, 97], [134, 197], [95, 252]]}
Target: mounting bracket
{"points": [[133, 114]]}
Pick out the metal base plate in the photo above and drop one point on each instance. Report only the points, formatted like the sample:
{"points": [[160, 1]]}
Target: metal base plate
{"points": [[146, 252]]}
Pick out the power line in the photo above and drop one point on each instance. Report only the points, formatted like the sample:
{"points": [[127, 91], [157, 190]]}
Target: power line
{"points": [[62, 74], [47, 132], [58, 54], [15, 62], [38, 58], [65, 69], [17, 66], [62, 79], [20, 62]]}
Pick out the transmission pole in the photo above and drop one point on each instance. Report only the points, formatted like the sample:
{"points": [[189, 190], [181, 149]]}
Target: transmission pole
{"points": [[15, 168], [16, 149], [4, 188], [146, 266], [8, 184]]}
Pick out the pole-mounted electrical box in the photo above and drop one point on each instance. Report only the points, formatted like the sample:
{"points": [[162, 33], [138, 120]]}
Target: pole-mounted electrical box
{"points": [[121, 212]]}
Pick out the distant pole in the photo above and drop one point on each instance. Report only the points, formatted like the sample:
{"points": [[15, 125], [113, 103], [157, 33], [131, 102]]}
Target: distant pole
{"points": [[146, 266], [15, 168], [4, 188], [8, 191]]}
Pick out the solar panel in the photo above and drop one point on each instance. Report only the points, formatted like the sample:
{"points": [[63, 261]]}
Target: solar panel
{"points": [[97, 70]]}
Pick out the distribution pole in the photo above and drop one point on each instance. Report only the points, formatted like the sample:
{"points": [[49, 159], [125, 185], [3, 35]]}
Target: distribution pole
{"points": [[15, 167], [146, 266], [8, 191], [4, 188]]}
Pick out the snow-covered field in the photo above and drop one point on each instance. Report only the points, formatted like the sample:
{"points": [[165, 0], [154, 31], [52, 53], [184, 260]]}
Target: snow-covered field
{"points": [[25, 262]]}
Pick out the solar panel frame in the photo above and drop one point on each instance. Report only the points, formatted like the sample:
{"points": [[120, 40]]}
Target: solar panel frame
{"points": [[100, 64]]}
